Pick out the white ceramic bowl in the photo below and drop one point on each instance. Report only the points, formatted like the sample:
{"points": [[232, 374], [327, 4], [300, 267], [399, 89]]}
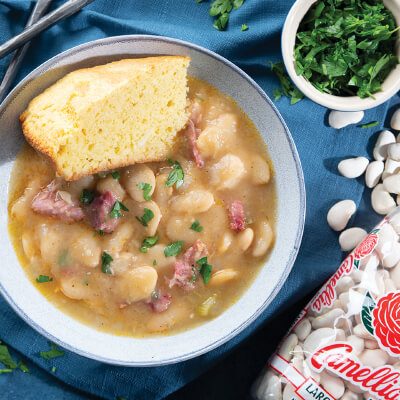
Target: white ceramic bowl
{"points": [[353, 103], [70, 333]]}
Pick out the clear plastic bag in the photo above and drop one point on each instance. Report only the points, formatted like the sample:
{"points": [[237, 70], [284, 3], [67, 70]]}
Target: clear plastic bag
{"points": [[346, 343]]}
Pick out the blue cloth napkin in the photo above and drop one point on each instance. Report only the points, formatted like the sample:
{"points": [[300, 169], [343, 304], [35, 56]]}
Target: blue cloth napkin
{"points": [[320, 149]]}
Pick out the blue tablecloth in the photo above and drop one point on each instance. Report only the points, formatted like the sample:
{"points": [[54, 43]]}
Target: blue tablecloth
{"points": [[320, 148]]}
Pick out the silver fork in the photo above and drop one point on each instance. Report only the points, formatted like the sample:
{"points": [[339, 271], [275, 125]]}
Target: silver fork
{"points": [[68, 8], [38, 10]]}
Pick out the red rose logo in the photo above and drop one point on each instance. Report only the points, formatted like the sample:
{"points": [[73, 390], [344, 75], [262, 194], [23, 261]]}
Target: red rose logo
{"points": [[386, 322], [366, 246]]}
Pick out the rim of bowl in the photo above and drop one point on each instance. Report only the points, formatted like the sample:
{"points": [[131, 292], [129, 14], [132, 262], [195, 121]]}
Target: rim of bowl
{"points": [[390, 86], [300, 223]]}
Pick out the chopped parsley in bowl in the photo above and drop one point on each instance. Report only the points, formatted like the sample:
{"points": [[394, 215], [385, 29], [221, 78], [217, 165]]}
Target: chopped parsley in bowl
{"points": [[343, 53], [347, 48]]}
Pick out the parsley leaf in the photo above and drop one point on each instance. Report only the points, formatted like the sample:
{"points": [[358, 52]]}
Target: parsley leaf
{"points": [[43, 279], [63, 258], [5, 358], [9, 363], [244, 28], [221, 22], [173, 249], [205, 269], [220, 9], [87, 196], [106, 260], [196, 226], [346, 47], [116, 175], [147, 216], [369, 125], [287, 87], [116, 210], [176, 176], [23, 367], [148, 242], [54, 352], [146, 187]]}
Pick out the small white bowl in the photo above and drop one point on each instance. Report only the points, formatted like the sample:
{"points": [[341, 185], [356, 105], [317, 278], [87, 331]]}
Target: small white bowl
{"points": [[70, 333], [353, 103]]}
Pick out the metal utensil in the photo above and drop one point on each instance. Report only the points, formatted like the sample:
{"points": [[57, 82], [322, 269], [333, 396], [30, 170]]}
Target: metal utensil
{"points": [[67, 9], [38, 10]]}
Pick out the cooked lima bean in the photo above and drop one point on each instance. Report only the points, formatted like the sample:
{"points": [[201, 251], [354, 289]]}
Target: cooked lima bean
{"points": [[135, 176]]}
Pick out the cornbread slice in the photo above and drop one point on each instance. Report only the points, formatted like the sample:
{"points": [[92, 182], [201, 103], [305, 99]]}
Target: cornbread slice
{"points": [[109, 116]]}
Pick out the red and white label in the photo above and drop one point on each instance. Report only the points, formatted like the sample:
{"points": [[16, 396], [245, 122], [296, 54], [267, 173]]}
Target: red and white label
{"points": [[338, 358], [327, 295], [311, 390], [305, 388]]}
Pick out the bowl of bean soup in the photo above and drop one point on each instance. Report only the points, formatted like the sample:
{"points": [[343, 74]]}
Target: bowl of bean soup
{"points": [[158, 262]]}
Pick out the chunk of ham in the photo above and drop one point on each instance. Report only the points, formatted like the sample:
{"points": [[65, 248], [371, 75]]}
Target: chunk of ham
{"points": [[160, 302], [56, 203], [237, 219], [98, 212], [192, 133], [185, 271]]}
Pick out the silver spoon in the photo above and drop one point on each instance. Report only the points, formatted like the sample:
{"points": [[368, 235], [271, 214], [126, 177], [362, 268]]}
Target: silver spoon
{"points": [[38, 10]]}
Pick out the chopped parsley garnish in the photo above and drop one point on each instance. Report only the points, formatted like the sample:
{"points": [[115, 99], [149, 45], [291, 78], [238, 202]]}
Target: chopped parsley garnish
{"points": [[155, 295], [196, 226], [6, 359], [154, 263], [369, 125], [63, 258], [106, 260], [205, 269], [5, 371], [116, 175], [54, 352], [220, 9], [100, 232], [8, 362], [116, 210], [43, 279], [146, 187], [87, 196], [53, 369], [176, 176], [173, 249], [148, 242], [23, 367], [147, 216], [346, 47], [287, 88], [244, 28]]}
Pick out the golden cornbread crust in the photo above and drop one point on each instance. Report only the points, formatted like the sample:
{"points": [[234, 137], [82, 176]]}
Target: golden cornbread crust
{"points": [[110, 116]]}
